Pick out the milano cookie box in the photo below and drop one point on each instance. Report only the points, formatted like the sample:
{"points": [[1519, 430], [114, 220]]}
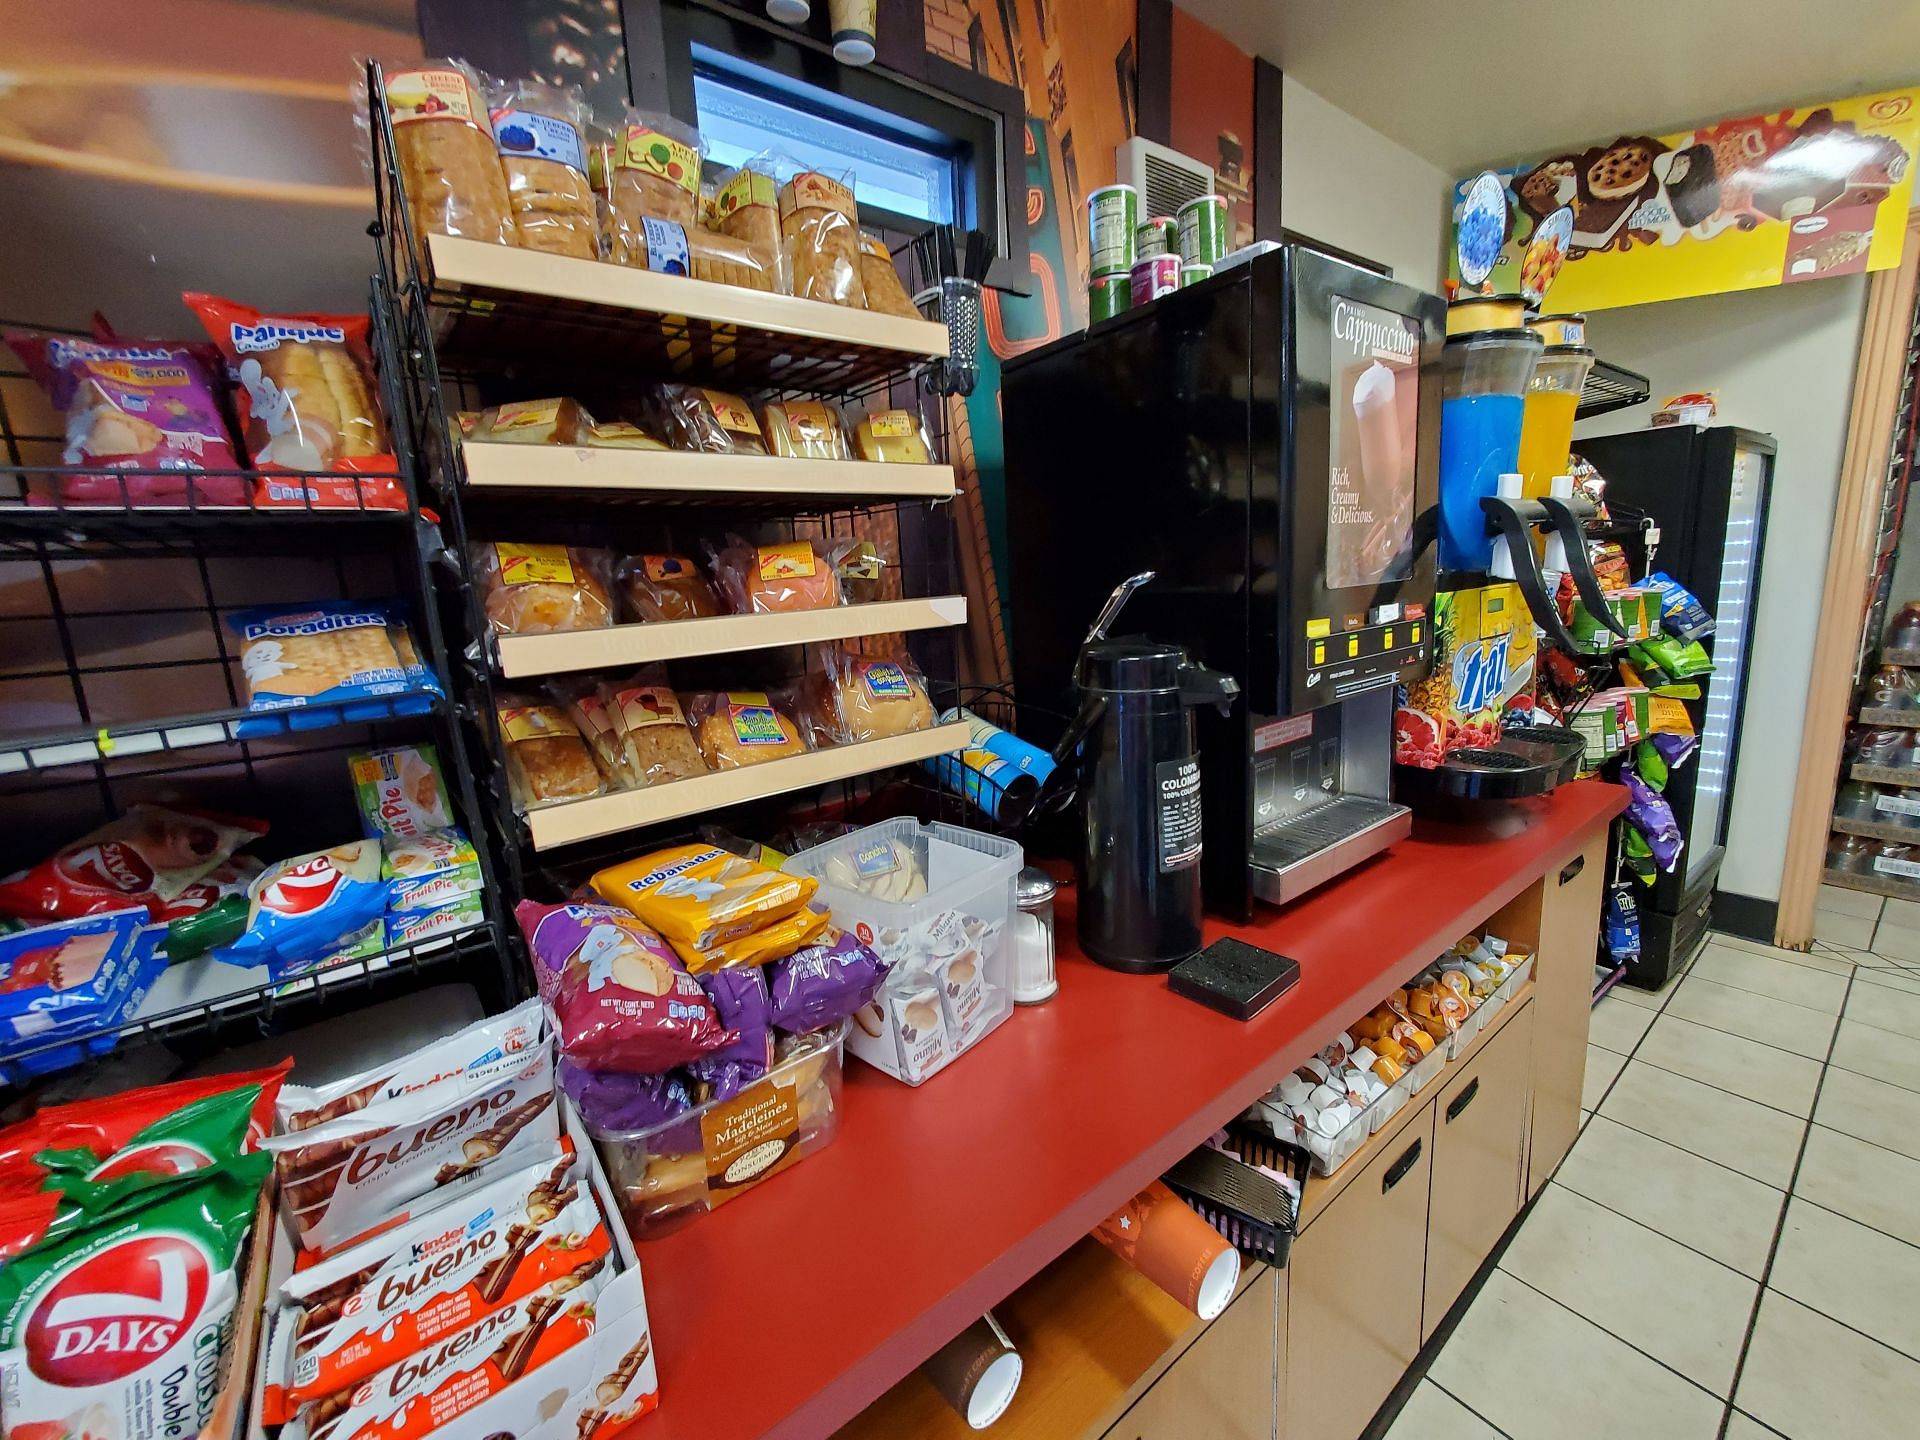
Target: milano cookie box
{"points": [[934, 903]]}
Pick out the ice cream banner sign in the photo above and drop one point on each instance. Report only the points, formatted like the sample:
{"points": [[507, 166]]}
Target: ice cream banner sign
{"points": [[1743, 203]]}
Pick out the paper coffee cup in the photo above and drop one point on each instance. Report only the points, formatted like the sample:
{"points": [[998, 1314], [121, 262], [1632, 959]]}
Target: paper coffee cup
{"points": [[977, 1372], [1158, 1234], [853, 32]]}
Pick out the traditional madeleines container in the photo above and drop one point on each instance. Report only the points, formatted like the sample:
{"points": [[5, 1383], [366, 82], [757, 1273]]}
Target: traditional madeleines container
{"points": [[1204, 230], [1111, 295], [1156, 276], [1158, 236], [1113, 218]]}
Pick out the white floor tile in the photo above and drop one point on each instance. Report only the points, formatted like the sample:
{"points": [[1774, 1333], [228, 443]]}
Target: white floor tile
{"points": [[1841, 901], [1779, 979], [1618, 1026], [1869, 1109], [1737, 1133], [1885, 1008], [1818, 958], [1745, 1427], [1901, 914], [1432, 1414], [1843, 929], [1894, 943], [1850, 1273], [1540, 1372], [1865, 1182], [1880, 1054], [1812, 1379], [1889, 977], [1697, 1202], [1645, 999], [1732, 1063], [1602, 1066], [1756, 1017]]}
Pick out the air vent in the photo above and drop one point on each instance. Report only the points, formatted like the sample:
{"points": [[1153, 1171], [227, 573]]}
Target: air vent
{"points": [[1165, 178]]}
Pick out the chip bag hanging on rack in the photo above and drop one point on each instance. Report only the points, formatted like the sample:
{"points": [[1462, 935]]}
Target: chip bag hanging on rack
{"points": [[306, 397], [146, 858]]}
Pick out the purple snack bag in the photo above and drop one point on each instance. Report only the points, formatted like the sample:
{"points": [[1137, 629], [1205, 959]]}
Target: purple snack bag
{"points": [[822, 983], [740, 995], [614, 1100], [726, 1077], [1649, 812]]}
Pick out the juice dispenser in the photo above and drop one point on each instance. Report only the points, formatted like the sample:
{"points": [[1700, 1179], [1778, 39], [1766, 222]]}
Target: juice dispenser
{"points": [[1546, 430], [1484, 379]]}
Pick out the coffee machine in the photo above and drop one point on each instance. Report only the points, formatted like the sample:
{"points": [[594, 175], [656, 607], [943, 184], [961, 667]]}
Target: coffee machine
{"points": [[1266, 442]]}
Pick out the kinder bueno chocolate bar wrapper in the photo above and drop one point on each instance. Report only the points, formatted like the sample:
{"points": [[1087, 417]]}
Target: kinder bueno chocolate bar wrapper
{"points": [[341, 1180], [429, 870], [619, 997], [304, 910], [422, 1392], [400, 791], [488, 1047], [405, 1290], [117, 1331], [146, 857]]}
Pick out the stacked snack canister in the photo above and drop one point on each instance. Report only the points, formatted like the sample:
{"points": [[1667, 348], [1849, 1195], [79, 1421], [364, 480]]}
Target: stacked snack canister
{"points": [[1205, 227], [1113, 226], [1158, 236], [1155, 276]]}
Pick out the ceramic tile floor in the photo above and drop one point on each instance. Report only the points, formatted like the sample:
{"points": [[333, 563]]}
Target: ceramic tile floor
{"points": [[1732, 1248]]}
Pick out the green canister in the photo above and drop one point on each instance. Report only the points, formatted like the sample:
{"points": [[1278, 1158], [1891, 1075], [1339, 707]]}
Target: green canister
{"points": [[1194, 274], [1111, 295], [1158, 236], [1113, 217], [1204, 230]]}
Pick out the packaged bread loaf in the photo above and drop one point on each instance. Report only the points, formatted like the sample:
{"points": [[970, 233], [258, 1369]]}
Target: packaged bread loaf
{"points": [[653, 173], [619, 435], [539, 132], [874, 696], [715, 421], [443, 144], [746, 208], [743, 727], [665, 587], [863, 571], [558, 421], [786, 575], [547, 758], [881, 281], [580, 697], [535, 589], [671, 249], [819, 231], [805, 429], [652, 727], [893, 436]]}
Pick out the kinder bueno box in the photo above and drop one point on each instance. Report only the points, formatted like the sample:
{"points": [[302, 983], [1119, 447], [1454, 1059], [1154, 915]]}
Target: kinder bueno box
{"points": [[1483, 660]]}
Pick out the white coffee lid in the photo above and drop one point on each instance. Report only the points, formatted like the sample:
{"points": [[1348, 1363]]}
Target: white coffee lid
{"points": [[853, 50], [1216, 1286], [994, 1391], [789, 12]]}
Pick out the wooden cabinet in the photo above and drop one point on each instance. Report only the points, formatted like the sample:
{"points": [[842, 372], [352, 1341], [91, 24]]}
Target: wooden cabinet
{"points": [[1563, 1002], [1479, 1162], [1353, 1303], [1226, 1386]]}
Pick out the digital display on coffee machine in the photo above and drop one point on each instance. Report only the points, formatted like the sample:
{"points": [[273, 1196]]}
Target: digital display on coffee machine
{"points": [[1371, 444]]}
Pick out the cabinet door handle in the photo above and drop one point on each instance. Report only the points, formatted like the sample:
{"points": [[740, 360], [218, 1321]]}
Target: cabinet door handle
{"points": [[1463, 1099], [1579, 863], [1397, 1171]]}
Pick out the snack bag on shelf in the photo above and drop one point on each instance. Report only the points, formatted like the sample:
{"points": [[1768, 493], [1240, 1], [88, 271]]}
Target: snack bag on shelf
{"points": [[539, 132], [806, 429], [306, 396], [429, 871], [780, 576], [1483, 673], [700, 895], [537, 589], [148, 405], [737, 728], [654, 736], [618, 1100], [746, 208], [775, 940], [881, 280], [653, 174], [304, 911], [444, 146], [620, 435], [547, 757], [873, 696], [401, 792], [893, 437], [823, 982], [329, 662], [71, 982], [714, 421], [666, 587], [556, 421], [145, 858], [820, 232], [119, 1329], [229, 878]]}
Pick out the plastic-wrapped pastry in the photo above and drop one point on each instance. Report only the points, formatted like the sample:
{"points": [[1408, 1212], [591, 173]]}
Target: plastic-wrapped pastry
{"points": [[819, 230], [893, 436], [714, 421], [862, 571], [543, 159], [558, 421], [654, 174], [593, 718], [652, 728], [873, 696], [546, 757], [743, 727], [804, 429], [619, 435], [788, 575], [746, 208], [674, 249], [444, 145], [881, 281], [666, 587], [534, 589]]}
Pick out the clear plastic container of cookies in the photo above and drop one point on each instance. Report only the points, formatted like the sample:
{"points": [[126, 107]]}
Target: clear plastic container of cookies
{"points": [[665, 1175]]}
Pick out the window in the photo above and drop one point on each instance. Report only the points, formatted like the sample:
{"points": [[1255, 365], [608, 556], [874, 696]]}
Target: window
{"points": [[911, 176]]}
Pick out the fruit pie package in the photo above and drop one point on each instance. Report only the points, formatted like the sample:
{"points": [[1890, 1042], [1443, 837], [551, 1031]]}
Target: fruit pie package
{"points": [[534, 1232], [119, 1330], [1483, 675], [343, 1178]]}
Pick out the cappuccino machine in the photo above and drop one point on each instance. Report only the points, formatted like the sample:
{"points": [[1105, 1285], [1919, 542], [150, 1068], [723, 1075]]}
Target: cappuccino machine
{"points": [[1266, 443]]}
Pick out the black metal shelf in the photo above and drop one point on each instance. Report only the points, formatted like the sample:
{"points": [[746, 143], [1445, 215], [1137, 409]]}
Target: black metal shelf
{"points": [[1611, 387]]}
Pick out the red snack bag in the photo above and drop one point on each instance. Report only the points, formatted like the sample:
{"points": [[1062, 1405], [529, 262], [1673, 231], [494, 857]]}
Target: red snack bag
{"points": [[307, 402], [146, 857], [620, 998], [149, 406]]}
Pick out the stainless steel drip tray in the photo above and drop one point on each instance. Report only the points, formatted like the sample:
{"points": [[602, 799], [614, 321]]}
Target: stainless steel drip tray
{"points": [[1309, 849]]}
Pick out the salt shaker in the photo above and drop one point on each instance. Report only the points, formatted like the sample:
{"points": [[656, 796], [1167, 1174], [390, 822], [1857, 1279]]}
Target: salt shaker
{"points": [[1033, 979]]}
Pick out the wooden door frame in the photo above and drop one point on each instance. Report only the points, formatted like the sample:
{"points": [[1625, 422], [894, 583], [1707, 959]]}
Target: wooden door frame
{"points": [[1877, 377]]}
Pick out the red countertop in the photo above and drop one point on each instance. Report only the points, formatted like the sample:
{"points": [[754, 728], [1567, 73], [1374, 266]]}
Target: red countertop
{"points": [[790, 1310]]}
